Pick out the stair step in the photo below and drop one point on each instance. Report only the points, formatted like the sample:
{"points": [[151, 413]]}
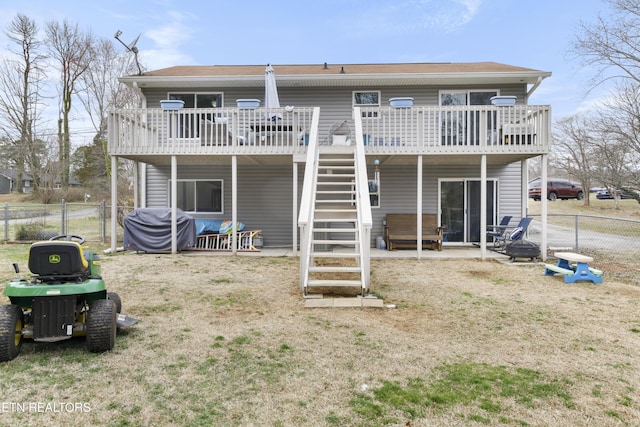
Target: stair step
{"points": [[334, 219], [336, 175], [333, 283], [337, 167], [334, 269], [335, 159], [334, 183], [333, 242], [318, 254], [328, 209], [332, 192], [334, 230], [336, 202]]}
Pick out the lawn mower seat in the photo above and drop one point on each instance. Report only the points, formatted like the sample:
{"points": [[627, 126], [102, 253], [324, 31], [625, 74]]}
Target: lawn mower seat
{"points": [[58, 260]]}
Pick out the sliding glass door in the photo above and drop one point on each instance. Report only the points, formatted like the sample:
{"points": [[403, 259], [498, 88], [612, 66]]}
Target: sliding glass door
{"points": [[460, 208]]}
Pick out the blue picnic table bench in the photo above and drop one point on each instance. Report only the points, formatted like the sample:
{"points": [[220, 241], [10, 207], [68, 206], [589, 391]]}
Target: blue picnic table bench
{"points": [[574, 267]]}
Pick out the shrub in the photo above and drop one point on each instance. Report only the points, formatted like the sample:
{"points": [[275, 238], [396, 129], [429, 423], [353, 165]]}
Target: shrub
{"points": [[33, 232]]}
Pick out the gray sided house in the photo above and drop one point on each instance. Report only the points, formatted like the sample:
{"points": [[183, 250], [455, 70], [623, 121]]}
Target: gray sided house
{"points": [[5, 184], [450, 139]]}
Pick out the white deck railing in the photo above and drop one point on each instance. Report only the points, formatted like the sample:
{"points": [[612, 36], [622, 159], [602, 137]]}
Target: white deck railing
{"points": [[385, 130], [365, 220], [468, 129], [307, 202], [209, 131]]}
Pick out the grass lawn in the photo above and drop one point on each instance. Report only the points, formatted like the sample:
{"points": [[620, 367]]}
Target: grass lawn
{"points": [[226, 341], [627, 208]]}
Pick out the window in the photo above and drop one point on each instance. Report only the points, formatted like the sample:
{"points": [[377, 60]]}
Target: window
{"points": [[199, 195], [189, 126], [199, 100], [459, 126], [374, 193], [367, 99]]}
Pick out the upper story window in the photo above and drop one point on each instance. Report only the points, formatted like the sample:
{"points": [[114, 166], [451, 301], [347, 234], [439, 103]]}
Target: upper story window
{"points": [[367, 99], [199, 100], [188, 126], [462, 127], [467, 97]]}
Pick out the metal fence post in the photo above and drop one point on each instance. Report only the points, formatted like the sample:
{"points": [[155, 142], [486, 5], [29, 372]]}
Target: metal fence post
{"points": [[576, 225], [63, 217], [103, 218], [6, 221]]}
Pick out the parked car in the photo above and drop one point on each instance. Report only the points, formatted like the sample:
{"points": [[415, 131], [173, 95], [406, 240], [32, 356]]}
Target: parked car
{"points": [[556, 189], [604, 194]]}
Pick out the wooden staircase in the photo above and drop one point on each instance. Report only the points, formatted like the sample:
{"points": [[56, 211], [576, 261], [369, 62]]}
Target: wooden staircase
{"points": [[335, 256]]}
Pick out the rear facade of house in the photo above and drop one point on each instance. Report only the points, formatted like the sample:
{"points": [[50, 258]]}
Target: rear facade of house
{"points": [[457, 151]]}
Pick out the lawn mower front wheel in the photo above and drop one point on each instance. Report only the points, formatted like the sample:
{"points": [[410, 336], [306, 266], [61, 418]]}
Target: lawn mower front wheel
{"points": [[115, 298], [101, 326], [11, 324]]}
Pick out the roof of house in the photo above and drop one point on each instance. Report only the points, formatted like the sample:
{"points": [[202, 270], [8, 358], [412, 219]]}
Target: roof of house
{"points": [[399, 74]]}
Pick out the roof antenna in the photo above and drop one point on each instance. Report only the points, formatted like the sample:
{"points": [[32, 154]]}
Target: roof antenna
{"points": [[131, 47]]}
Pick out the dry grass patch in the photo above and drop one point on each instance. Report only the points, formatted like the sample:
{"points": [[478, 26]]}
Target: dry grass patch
{"points": [[226, 340]]}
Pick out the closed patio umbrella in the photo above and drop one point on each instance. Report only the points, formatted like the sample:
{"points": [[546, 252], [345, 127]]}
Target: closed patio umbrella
{"points": [[271, 99]]}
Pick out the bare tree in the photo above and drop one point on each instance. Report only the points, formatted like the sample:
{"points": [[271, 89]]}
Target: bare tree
{"points": [[610, 44], [102, 92], [20, 86], [575, 150], [611, 166], [619, 122], [72, 49], [621, 114]]}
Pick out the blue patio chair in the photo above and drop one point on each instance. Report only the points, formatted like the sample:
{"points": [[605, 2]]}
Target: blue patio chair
{"points": [[499, 230], [514, 234]]}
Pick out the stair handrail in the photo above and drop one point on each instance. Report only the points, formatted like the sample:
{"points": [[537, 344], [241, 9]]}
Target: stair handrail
{"points": [[307, 200], [364, 217]]}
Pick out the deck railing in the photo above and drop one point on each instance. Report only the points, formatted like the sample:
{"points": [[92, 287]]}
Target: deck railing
{"points": [[154, 131], [385, 130], [451, 129]]}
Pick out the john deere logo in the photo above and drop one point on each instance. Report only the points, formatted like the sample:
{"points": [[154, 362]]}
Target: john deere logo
{"points": [[54, 259]]}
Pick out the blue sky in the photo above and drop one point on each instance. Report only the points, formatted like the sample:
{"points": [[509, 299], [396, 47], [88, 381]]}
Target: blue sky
{"points": [[534, 34]]}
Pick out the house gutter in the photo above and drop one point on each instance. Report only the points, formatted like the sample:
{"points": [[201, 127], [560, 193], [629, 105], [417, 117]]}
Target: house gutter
{"points": [[320, 80]]}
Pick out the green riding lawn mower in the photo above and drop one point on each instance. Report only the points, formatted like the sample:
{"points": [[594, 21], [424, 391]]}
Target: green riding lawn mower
{"points": [[64, 298]]}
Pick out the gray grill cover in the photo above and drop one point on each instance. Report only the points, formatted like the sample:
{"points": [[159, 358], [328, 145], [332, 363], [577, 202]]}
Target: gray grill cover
{"points": [[149, 230]]}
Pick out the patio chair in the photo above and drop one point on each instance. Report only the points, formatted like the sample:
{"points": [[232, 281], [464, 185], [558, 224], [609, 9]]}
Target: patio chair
{"points": [[498, 231], [514, 234]]}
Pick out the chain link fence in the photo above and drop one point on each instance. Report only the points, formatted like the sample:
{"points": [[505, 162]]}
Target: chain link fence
{"points": [[614, 243], [32, 222]]}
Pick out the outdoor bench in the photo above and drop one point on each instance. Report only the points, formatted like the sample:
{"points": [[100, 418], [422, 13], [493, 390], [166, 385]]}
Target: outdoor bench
{"points": [[400, 231]]}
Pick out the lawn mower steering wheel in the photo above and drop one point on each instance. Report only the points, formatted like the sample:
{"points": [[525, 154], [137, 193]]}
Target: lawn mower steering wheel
{"points": [[69, 237]]}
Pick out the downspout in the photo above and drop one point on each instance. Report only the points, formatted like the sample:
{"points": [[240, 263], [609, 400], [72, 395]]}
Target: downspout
{"points": [[174, 205], [483, 207], [114, 204], [533, 88], [140, 198], [419, 206], [143, 99], [294, 231]]}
